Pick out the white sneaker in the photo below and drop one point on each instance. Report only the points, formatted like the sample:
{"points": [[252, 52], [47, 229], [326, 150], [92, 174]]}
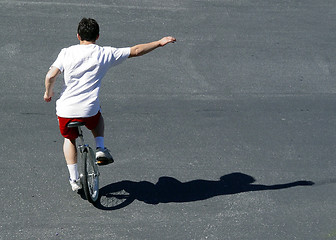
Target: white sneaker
{"points": [[103, 156], [75, 184]]}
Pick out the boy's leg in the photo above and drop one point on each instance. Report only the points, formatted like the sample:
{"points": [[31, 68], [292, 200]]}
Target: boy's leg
{"points": [[98, 131], [102, 154], [70, 151], [70, 154]]}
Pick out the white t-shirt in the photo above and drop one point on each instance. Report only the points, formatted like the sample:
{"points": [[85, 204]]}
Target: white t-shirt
{"points": [[84, 66]]}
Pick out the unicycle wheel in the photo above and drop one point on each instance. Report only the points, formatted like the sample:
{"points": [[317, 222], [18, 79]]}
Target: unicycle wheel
{"points": [[90, 176]]}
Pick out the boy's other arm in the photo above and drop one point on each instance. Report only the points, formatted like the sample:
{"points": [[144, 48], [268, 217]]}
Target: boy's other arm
{"points": [[141, 49], [50, 82]]}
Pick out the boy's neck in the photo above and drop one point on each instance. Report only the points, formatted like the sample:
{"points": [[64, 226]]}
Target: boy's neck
{"points": [[86, 42]]}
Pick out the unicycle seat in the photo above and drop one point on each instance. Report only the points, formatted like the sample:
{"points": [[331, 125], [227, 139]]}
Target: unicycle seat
{"points": [[75, 124]]}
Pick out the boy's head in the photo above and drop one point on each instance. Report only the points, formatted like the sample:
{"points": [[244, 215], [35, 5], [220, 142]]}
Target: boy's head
{"points": [[88, 30]]}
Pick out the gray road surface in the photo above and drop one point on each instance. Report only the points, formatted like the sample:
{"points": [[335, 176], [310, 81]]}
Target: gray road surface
{"points": [[227, 134]]}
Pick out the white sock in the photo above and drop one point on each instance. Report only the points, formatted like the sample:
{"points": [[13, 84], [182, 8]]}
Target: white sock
{"points": [[100, 142], [73, 171]]}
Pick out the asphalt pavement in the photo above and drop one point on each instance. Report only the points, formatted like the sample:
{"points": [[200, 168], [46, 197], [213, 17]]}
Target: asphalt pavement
{"points": [[229, 133]]}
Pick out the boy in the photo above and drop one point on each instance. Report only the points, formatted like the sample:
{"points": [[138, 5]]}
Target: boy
{"points": [[84, 66]]}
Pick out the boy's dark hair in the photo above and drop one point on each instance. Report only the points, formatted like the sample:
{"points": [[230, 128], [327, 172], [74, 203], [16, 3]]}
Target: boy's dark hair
{"points": [[88, 29]]}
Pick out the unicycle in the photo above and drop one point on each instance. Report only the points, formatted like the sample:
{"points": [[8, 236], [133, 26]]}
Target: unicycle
{"points": [[89, 172]]}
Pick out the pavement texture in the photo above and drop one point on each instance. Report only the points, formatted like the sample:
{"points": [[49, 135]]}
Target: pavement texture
{"points": [[227, 134]]}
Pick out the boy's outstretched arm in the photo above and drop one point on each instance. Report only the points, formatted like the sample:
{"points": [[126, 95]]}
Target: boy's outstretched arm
{"points": [[50, 82], [141, 49]]}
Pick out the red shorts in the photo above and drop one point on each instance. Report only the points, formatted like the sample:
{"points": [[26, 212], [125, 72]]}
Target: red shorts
{"points": [[72, 133]]}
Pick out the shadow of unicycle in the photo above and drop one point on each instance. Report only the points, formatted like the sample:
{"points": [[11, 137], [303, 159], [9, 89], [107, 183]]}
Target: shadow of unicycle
{"points": [[113, 197]]}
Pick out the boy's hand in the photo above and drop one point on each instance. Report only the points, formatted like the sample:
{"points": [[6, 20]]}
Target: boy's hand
{"points": [[166, 40], [47, 97]]}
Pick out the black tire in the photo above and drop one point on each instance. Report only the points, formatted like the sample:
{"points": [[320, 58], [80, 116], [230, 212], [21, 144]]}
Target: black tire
{"points": [[90, 177]]}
